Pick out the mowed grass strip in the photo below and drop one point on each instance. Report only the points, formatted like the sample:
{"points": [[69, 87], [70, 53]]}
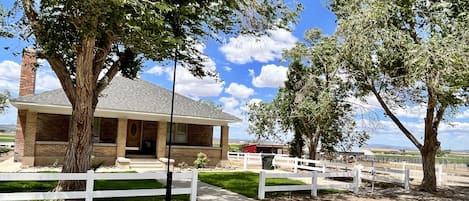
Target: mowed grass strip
{"points": [[45, 186], [245, 183]]}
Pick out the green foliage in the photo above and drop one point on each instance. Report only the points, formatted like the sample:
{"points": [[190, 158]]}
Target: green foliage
{"points": [[442, 153], [245, 183], [4, 96], [201, 161], [312, 104], [408, 52], [4, 150]]}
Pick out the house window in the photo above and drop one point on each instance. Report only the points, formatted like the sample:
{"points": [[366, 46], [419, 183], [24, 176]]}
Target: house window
{"points": [[104, 130], [179, 134]]}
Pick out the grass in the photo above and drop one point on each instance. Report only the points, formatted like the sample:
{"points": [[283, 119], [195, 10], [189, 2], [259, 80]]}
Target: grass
{"points": [[7, 139], [451, 158], [245, 183], [44, 186]]}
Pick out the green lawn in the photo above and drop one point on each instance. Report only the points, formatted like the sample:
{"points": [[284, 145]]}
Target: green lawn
{"points": [[44, 186], [7, 137], [245, 183]]}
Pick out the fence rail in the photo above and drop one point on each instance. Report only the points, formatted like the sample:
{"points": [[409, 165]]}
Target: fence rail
{"points": [[314, 187], [90, 193]]}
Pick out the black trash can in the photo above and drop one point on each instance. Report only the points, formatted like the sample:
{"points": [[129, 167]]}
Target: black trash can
{"points": [[267, 161], [467, 165]]}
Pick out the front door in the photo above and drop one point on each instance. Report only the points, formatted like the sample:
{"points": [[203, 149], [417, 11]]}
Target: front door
{"points": [[134, 134]]}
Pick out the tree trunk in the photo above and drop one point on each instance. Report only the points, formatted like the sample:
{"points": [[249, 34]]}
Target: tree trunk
{"points": [[80, 145], [428, 153]]}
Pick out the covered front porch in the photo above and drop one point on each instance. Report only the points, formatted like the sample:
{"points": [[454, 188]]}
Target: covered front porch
{"points": [[46, 136]]}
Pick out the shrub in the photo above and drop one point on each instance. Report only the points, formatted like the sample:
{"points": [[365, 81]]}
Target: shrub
{"points": [[201, 160], [4, 150]]}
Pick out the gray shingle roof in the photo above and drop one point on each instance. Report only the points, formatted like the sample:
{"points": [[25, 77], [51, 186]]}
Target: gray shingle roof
{"points": [[137, 95]]}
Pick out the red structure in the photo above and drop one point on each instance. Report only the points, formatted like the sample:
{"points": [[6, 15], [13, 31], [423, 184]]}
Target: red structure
{"points": [[266, 148]]}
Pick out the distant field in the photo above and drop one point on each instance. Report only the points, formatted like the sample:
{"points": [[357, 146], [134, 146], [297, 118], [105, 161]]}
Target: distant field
{"points": [[7, 137], [451, 158]]}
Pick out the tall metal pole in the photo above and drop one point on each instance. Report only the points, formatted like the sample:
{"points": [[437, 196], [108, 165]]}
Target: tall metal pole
{"points": [[169, 175]]}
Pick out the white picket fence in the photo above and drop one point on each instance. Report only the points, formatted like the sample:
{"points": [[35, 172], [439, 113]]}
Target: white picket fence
{"points": [[313, 187], [90, 193]]}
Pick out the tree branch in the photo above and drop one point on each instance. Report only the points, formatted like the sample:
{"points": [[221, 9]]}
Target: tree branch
{"points": [[439, 116], [60, 69], [100, 57], [393, 117], [110, 74]]}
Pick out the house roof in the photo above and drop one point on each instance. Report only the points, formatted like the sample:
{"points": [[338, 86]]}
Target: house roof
{"points": [[133, 96]]}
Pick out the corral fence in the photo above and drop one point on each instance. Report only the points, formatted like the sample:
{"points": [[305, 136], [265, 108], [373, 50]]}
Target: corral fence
{"points": [[90, 193], [313, 187]]}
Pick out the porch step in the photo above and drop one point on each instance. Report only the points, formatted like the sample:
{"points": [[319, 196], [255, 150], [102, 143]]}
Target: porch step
{"points": [[145, 163]]}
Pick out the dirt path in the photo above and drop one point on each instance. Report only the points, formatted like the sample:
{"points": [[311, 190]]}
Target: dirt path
{"points": [[385, 194]]}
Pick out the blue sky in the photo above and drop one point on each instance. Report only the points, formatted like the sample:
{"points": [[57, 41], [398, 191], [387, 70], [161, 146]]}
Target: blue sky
{"points": [[251, 70]]}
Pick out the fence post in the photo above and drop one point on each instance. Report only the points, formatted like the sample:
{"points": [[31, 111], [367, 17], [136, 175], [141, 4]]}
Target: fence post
{"points": [[404, 163], [357, 178], [194, 180], [273, 161], [323, 168], [439, 179], [314, 185], [89, 185], [295, 167], [245, 161], [261, 192], [407, 179]]}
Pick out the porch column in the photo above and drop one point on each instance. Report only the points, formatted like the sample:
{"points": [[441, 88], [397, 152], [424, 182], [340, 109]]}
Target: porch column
{"points": [[121, 137], [224, 142], [161, 139], [30, 139]]}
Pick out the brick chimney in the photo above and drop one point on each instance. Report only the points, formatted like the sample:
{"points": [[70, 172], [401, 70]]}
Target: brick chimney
{"points": [[27, 86]]}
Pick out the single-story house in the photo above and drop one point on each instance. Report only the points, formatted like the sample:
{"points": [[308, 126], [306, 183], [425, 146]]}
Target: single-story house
{"points": [[131, 120]]}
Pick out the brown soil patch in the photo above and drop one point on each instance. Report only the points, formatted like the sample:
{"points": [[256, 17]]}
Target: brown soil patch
{"points": [[383, 194]]}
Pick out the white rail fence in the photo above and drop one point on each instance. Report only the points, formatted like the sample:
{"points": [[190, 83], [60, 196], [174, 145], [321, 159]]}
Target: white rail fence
{"points": [[280, 160], [313, 187], [90, 193], [385, 175]]}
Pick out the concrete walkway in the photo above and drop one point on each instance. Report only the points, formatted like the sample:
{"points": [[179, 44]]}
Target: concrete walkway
{"points": [[207, 192]]}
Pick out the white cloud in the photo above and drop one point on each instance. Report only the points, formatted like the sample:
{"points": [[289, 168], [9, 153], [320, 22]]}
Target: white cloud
{"points": [[239, 90], [194, 87], [156, 70], [229, 104], [228, 69], [10, 76], [254, 101], [271, 76], [245, 48]]}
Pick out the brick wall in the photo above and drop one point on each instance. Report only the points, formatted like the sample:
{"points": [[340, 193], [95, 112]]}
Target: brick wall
{"points": [[48, 154], [199, 135], [27, 86], [52, 127], [189, 154]]}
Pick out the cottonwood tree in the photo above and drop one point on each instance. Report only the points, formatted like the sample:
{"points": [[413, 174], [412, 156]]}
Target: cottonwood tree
{"points": [[4, 96], [312, 104], [88, 42], [407, 52]]}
